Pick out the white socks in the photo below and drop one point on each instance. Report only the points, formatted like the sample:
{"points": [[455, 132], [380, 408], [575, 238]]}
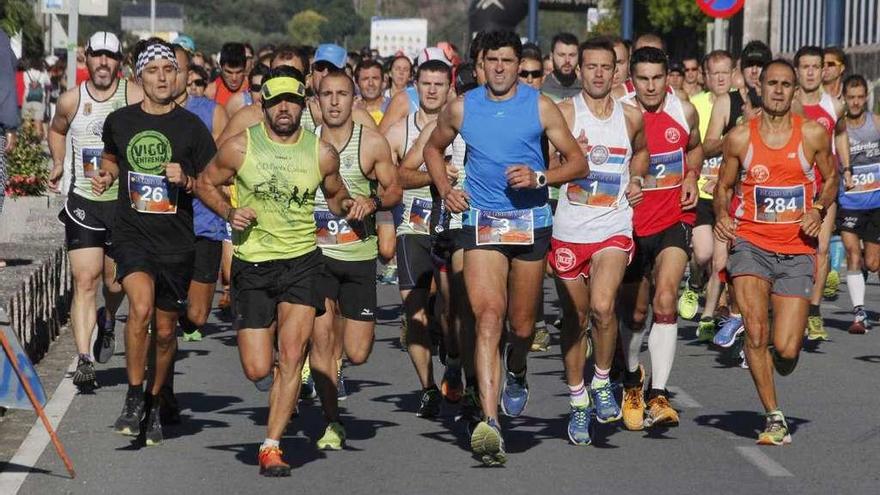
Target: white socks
{"points": [[855, 284], [661, 345]]}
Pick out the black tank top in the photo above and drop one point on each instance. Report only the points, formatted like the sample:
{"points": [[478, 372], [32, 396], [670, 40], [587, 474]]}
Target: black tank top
{"points": [[736, 112]]}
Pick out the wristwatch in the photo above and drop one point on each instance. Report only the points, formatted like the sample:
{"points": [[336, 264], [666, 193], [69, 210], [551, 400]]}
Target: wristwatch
{"points": [[541, 179], [818, 206]]}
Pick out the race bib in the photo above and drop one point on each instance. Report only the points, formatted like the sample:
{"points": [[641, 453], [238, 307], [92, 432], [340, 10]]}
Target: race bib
{"points": [[515, 227], [866, 178], [152, 194], [91, 161], [599, 189], [665, 170], [711, 166], [420, 215], [333, 230], [779, 204]]}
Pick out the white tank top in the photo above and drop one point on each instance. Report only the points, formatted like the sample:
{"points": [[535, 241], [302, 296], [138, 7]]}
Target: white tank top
{"points": [[595, 208], [416, 202]]}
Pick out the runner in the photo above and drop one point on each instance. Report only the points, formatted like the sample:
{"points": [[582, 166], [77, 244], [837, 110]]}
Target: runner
{"points": [[368, 76], [815, 104], [233, 72], [401, 76], [349, 250], [277, 169], [507, 221], [88, 217], [415, 267], [157, 148], [563, 82], [691, 85], [770, 161], [592, 232], [719, 69], [247, 98], [832, 74], [662, 224], [859, 196]]}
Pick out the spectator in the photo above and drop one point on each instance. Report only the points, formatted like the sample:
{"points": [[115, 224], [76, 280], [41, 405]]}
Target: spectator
{"points": [[37, 85], [9, 116]]}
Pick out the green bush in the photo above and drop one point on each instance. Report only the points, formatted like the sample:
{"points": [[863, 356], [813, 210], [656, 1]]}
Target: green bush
{"points": [[26, 165]]}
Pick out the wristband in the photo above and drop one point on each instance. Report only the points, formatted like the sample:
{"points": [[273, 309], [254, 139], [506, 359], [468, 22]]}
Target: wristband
{"points": [[377, 201]]}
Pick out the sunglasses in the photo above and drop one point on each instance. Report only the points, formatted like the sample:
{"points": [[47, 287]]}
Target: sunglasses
{"points": [[534, 74], [833, 64], [255, 88], [198, 82]]}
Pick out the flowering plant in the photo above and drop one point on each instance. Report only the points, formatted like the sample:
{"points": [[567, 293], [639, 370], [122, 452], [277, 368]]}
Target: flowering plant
{"points": [[27, 166]]}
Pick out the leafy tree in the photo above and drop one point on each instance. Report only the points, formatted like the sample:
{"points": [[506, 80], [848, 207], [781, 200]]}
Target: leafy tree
{"points": [[305, 27], [18, 16]]}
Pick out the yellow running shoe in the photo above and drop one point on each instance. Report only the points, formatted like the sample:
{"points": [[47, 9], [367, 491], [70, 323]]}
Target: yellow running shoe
{"points": [[334, 437], [541, 340], [661, 413], [776, 431], [815, 329], [688, 303], [634, 404], [832, 283]]}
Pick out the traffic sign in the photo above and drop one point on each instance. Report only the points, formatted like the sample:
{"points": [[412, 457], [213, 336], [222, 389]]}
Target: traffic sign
{"points": [[720, 9]]}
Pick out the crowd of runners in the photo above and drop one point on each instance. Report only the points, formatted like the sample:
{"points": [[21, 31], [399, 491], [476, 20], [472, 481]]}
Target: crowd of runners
{"points": [[639, 184]]}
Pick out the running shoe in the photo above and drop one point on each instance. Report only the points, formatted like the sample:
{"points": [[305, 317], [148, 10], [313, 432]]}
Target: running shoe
{"points": [[153, 434], [105, 343], [688, 303], [634, 403], [776, 430], [607, 409], [744, 362], [730, 330], [488, 444], [429, 404], [84, 376], [469, 413], [660, 413], [334, 437], [341, 392], [129, 422], [388, 275], [541, 340], [271, 463], [514, 394], [860, 323], [170, 409], [579, 425], [451, 387], [706, 330], [194, 336], [816, 329], [832, 284], [307, 389]]}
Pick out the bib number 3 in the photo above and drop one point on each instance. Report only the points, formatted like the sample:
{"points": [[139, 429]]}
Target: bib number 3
{"points": [[515, 227]]}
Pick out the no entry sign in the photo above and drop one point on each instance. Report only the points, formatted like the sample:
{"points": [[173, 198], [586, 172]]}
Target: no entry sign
{"points": [[721, 9]]}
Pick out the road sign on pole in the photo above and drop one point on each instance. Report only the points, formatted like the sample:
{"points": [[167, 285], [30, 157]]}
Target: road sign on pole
{"points": [[720, 9]]}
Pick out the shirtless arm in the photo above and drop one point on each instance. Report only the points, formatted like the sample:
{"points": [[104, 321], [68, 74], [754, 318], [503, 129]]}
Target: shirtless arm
{"points": [[219, 172], [235, 103], [363, 118], [242, 119], [736, 141], [398, 108], [841, 144], [64, 112], [694, 160], [574, 163], [382, 169], [717, 120], [448, 125], [638, 164], [219, 121], [410, 175], [816, 140]]}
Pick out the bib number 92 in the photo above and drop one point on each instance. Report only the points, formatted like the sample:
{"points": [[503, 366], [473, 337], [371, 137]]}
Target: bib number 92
{"points": [[340, 226]]}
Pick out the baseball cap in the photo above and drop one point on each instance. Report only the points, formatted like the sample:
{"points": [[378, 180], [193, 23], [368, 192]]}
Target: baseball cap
{"points": [[334, 54], [284, 85], [103, 41], [432, 53], [755, 53], [186, 42]]}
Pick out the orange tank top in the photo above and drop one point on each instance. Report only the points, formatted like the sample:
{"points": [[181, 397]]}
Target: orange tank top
{"points": [[223, 94], [776, 190]]}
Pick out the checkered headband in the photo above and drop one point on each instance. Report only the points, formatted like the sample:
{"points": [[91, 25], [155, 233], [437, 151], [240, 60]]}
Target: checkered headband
{"points": [[155, 51]]}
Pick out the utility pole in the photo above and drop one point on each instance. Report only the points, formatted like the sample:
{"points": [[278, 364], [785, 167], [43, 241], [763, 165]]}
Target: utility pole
{"points": [[72, 37]]}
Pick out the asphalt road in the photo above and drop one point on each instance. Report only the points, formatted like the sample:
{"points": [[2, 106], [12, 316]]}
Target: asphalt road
{"points": [[831, 402]]}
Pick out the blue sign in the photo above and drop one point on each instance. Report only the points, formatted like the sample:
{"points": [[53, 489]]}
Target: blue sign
{"points": [[720, 9], [12, 394]]}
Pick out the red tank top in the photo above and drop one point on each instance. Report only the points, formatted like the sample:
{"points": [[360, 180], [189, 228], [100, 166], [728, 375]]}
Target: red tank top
{"points": [[823, 113], [667, 138], [776, 190]]}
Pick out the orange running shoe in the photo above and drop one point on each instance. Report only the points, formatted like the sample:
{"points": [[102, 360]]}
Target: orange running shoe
{"points": [[661, 413], [634, 404], [451, 387], [271, 463]]}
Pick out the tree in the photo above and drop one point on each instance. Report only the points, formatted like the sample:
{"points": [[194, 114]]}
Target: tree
{"points": [[305, 27], [18, 16], [681, 24]]}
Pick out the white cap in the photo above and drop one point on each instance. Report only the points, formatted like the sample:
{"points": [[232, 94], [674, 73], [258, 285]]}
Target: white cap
{"points": [[51, 60], [432, 53], [102, 40]]}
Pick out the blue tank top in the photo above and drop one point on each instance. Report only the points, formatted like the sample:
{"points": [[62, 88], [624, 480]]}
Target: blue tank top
{"points": [[499, 134], [206, 223], [864, 158], [248, 99]]}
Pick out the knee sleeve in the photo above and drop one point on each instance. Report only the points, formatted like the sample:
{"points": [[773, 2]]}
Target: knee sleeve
{"points": [[265, 384], [665, 319]]}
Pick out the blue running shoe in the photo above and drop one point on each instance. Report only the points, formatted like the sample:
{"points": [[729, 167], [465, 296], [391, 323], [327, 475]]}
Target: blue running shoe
{"points": [[515, 394], [579, 425], [729, 331], [607, 409]]}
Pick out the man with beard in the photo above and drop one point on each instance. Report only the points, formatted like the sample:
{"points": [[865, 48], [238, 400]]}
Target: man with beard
{"points": [[88, 217], [507, 220], [770, 162], [277, 168], [155, 150], [233, 71], [563, 82]]}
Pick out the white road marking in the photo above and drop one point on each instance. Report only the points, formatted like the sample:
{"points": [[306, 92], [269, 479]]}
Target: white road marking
{"points": [[763, 462], [34, 444], [683, 399]]}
